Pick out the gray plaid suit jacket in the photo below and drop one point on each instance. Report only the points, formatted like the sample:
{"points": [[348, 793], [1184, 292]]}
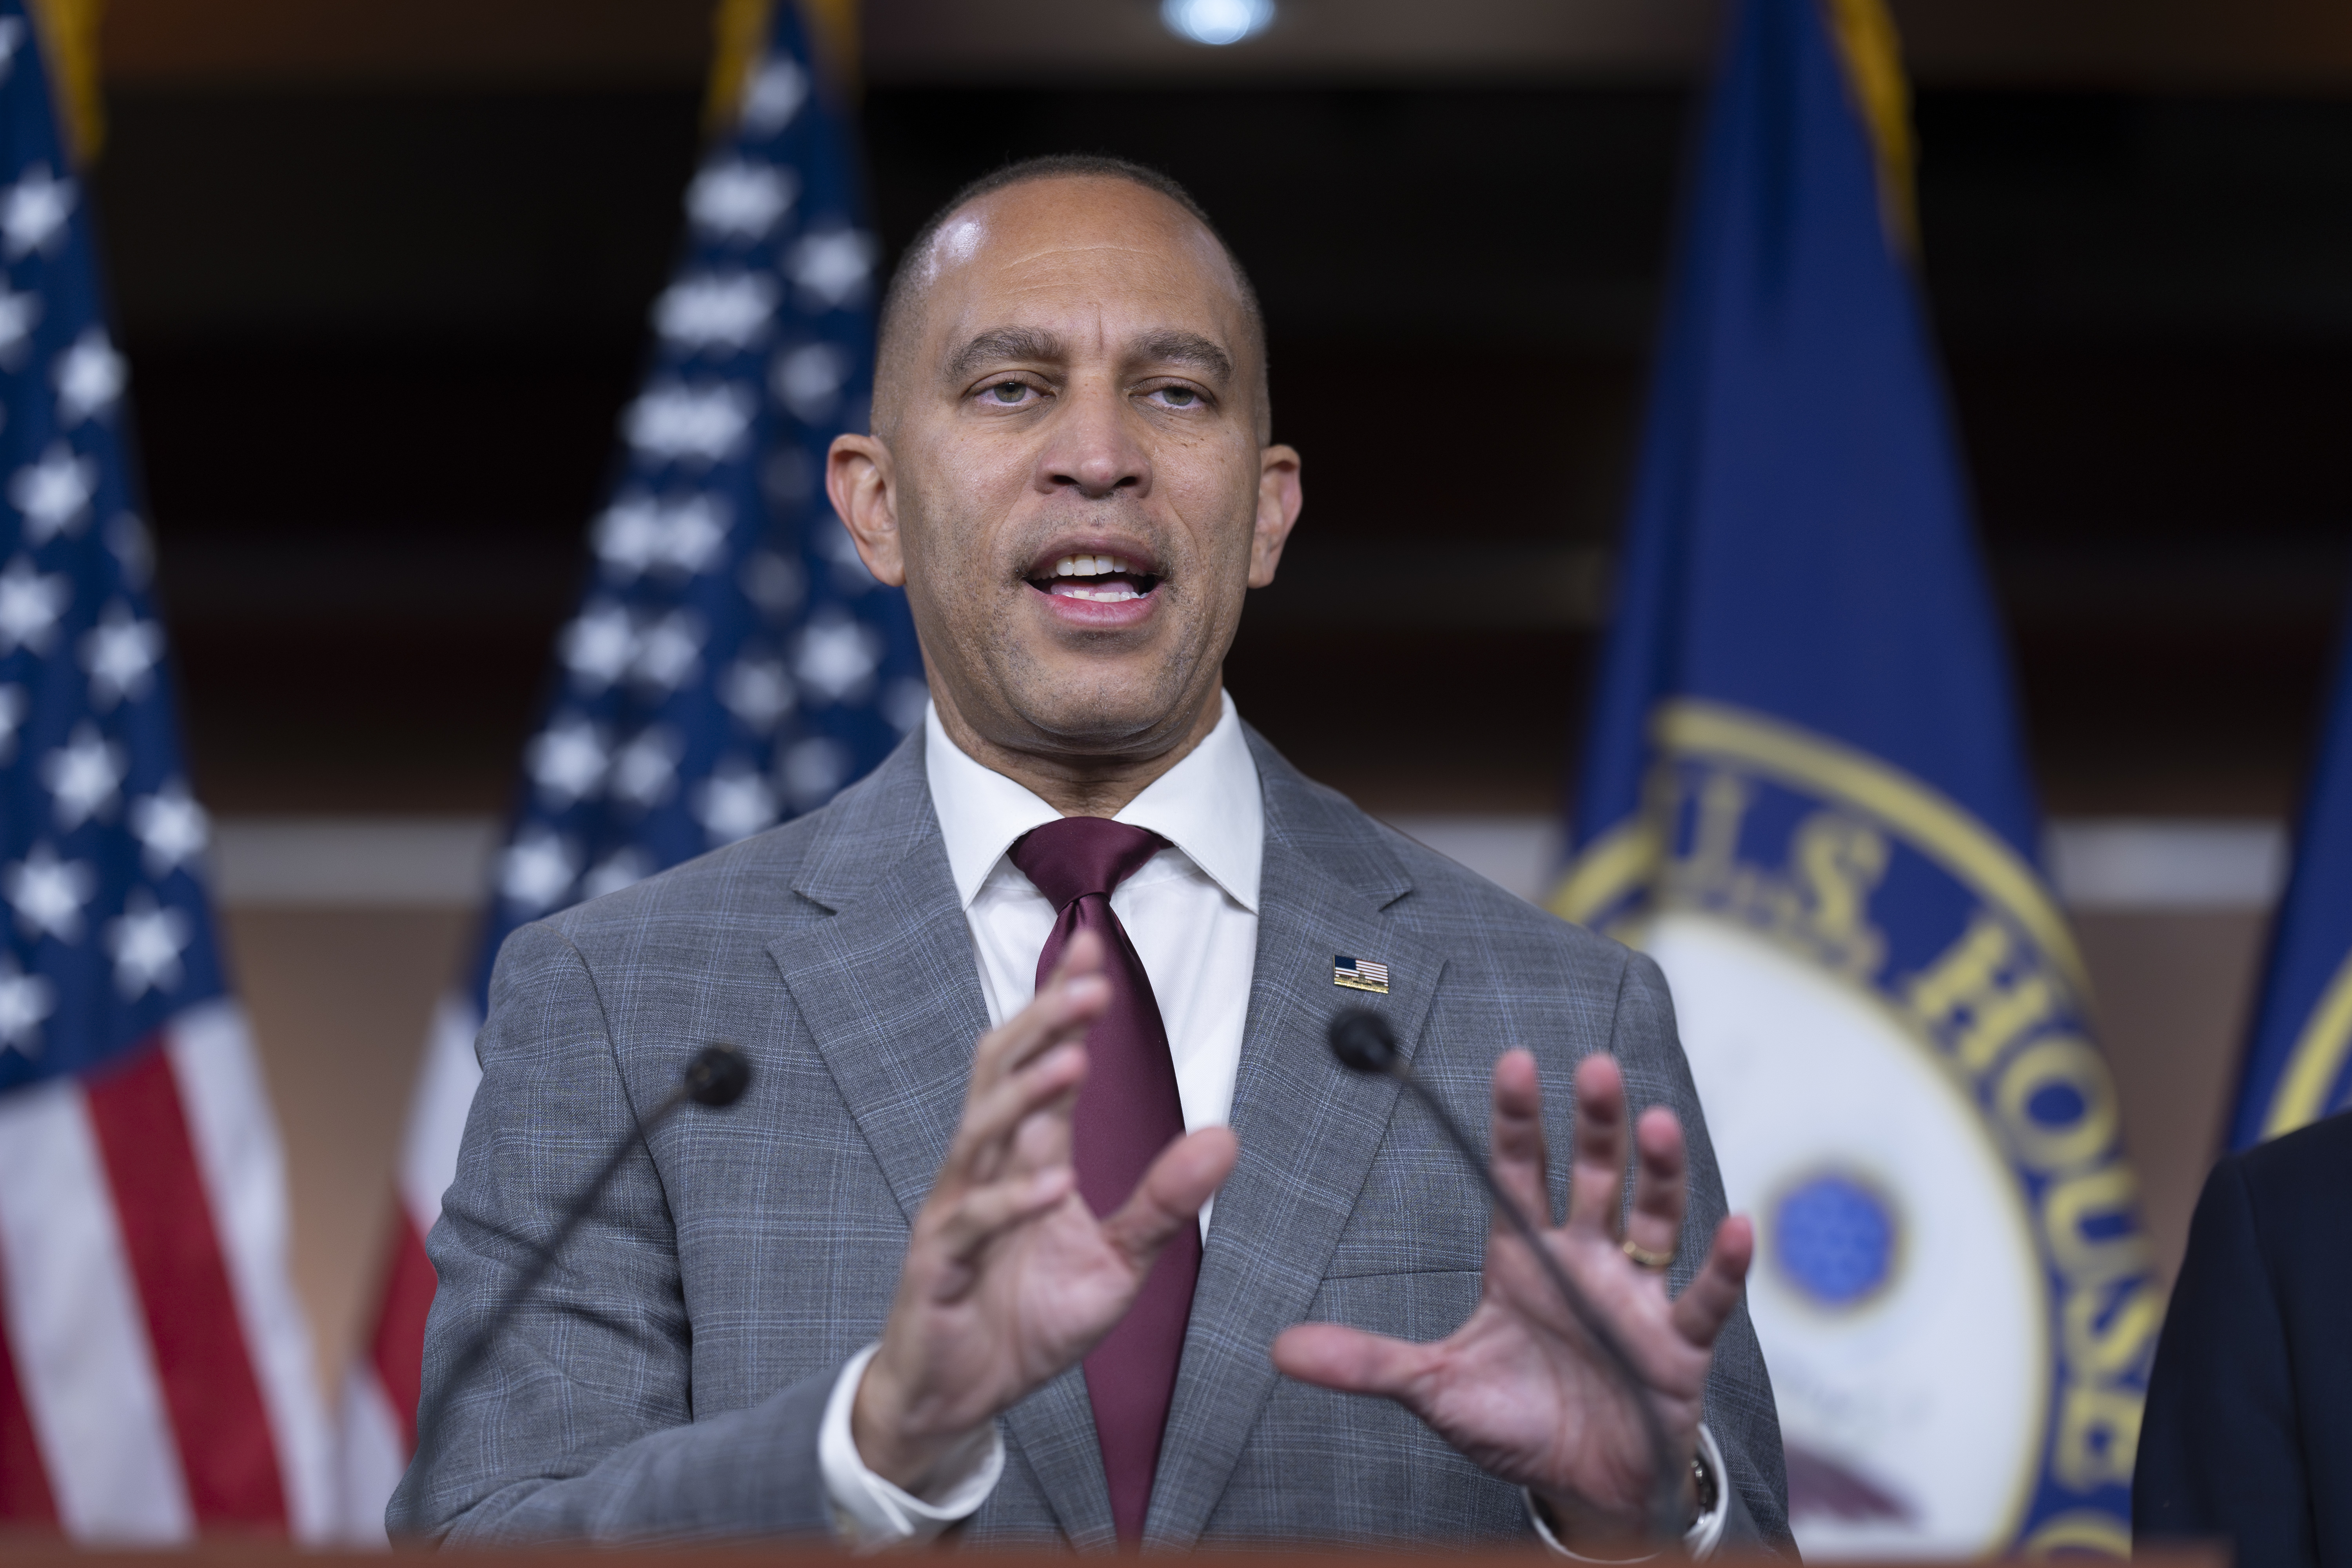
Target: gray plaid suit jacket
{"points": [[667, 1379]]}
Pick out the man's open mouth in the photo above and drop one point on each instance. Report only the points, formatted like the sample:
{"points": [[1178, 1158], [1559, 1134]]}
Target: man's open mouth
{"points": [[1099, 579]]}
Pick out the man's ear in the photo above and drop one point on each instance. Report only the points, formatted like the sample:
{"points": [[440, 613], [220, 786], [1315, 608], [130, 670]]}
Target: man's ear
{"points": [[1278, 501], [859, 477]]}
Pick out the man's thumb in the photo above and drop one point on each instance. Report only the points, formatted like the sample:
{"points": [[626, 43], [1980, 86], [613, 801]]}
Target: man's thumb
{"points": [[1171, 1195]]}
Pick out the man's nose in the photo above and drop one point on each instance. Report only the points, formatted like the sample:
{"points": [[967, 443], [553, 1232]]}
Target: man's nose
{"points": [[1094, 449]]}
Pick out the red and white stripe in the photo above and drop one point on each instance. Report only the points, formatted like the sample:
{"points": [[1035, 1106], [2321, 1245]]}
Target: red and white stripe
{"points": [[381, 1385], [155, 1373]]}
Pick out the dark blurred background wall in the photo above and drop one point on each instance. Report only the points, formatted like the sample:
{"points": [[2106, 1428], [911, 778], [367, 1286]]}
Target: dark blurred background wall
{"points": [[383, 270]]}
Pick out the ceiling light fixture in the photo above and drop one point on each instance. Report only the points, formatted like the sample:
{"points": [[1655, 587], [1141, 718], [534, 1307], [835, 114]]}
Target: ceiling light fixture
{"points": [[1216, 22]]}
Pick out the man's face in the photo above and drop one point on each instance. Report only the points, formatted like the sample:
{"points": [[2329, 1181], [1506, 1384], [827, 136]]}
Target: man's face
{"points": [[1072, 483]]}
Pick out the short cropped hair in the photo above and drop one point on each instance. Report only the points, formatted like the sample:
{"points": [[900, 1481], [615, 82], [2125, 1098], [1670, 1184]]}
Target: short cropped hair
{"points": [[899, 301]]}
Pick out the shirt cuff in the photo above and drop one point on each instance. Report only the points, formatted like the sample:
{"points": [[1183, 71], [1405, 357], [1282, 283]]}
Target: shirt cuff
{"points": [[869, 1513], [1699, 1541]]}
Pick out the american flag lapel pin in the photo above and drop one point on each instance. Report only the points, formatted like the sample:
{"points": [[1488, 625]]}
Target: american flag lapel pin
{"points": [[1360, 974]]}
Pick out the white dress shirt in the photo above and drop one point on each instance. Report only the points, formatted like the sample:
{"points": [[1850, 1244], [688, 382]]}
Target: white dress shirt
{"points": [[1191, 913]]}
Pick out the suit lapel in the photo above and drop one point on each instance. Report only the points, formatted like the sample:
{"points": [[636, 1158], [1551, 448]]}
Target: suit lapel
{"points": [[1308, 1130], [890, 992]]}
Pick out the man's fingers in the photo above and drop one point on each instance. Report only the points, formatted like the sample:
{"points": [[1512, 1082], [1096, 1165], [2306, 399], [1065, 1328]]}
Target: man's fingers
{"points": [[1519, 1156], [1060, 1015], [1660, 1184], [1069, 1001], [1596, 1181], [983, 1213], [983, 1143], [1350, 1360], [1701, 1310], [1171, 1195], [1083, 954]]}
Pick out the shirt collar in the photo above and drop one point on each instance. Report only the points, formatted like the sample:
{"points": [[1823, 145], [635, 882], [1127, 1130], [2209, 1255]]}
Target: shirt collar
{"points": [[1209, 805]]}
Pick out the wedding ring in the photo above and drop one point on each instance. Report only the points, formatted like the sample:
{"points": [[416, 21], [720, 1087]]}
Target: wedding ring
{"points": [[1644, 1258]]}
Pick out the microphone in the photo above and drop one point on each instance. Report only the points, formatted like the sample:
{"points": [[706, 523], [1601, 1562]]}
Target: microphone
{"points": [[716, 1077], [1365, 1044]]}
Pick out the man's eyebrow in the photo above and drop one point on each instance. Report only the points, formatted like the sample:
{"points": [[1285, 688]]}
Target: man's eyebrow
{"points": [[1003, 343], [1185, 348]]}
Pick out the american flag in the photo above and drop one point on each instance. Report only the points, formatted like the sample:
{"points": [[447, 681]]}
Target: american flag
{"points": [[731, 662], [155, 1374]]}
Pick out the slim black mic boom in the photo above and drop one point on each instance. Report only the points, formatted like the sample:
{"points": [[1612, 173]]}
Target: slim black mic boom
{"points": [[1364, 1043], [717, 1076]]}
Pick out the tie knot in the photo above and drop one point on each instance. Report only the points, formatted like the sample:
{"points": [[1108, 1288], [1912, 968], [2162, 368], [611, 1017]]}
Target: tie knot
{"points": [[1081, 855]]}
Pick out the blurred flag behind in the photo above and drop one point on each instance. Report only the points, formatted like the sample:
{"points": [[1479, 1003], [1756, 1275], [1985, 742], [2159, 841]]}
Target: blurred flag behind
{"points": [[731, 663], [1803, 793], [2298, 1063], [155, 1376]]}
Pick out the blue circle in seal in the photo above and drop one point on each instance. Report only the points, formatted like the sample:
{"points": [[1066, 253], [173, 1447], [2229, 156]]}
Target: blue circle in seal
{"points": [[1834, 1237]]}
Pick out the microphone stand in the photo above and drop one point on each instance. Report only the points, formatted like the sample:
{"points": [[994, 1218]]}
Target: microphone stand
{"points": [[1364, 1043], [716, 1076]]}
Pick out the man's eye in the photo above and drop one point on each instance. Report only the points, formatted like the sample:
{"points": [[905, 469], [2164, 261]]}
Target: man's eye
{"points": [[1008, 391], [1180, 396]]}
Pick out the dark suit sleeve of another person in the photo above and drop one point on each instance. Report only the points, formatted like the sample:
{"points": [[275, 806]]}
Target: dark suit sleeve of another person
{"points": [[2248, 1432], [581, 1425], [1740, 1408]]}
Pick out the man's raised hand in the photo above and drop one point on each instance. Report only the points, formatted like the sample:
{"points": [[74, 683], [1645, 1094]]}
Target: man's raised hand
{"points": [[1009, 1278], [1520, 1388]]}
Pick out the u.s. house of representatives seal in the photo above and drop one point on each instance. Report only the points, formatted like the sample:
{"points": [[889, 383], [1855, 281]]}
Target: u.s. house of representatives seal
{"points": [[1889, 1025]]}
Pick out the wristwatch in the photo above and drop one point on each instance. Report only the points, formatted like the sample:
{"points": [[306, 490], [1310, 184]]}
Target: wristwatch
{"points": [[1706, 1490], [1701, 1533]]}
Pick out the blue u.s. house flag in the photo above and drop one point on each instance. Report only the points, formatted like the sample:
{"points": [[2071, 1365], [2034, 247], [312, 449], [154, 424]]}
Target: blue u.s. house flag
{"points": [[2298, 1063], [731, 663], [1803, 793]]}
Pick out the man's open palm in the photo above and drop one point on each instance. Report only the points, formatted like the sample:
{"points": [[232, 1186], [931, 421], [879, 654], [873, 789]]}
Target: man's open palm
{"points": [[1520, 1388], [1009, 1278]]}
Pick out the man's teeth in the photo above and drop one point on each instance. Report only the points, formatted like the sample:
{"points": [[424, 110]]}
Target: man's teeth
{"points": [[1072, 575], [1105, 594], [1090, 566]]}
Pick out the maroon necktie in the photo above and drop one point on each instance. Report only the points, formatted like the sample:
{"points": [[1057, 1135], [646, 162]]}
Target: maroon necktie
{"points": [[1127, 1112]]}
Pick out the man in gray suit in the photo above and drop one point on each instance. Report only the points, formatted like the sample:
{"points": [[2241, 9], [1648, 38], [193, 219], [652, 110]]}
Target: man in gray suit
{"points": [[1128, 1269]]}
